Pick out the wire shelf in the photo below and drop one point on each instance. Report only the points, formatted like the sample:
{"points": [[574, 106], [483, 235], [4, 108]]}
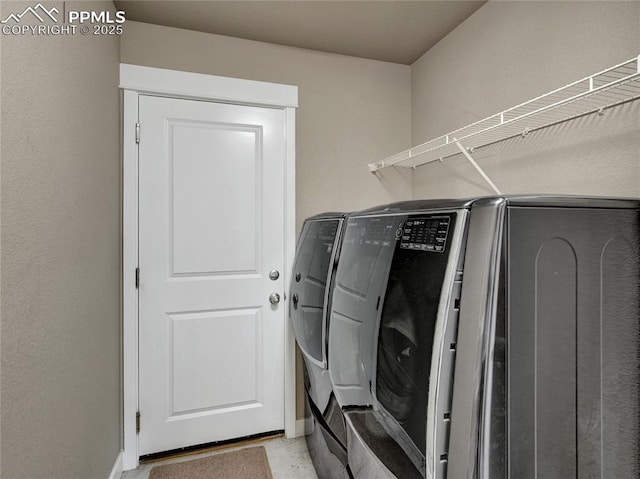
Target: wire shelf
{"points": [[613, 86]]}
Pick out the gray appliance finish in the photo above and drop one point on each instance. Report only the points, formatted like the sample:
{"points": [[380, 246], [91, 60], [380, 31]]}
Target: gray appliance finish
{"points": [[490, 338], [313, 269]]}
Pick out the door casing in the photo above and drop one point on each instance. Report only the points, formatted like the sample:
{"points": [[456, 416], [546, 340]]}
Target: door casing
{"points": [[136, 80]]}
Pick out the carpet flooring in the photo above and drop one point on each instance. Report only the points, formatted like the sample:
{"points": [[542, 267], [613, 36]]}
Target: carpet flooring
{"points": [[249, 463]]}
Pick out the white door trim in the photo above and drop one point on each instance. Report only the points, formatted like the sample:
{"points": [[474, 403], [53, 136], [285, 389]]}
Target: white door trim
{"points": [[159, 81], [136, 80]]}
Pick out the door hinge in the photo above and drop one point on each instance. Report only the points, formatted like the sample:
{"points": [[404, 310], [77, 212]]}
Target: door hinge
{"points": [[137, 422], [137, 132], [137, 278]]}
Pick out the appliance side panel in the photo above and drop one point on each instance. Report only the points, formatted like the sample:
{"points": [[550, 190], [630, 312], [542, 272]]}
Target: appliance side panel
{"points": [[478, 304], [543, 311], [620, 352], [574, 343]]}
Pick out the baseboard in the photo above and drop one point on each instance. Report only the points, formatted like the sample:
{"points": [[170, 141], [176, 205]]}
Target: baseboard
{"points": [[116, 470], [300, 427], [304, 426]]}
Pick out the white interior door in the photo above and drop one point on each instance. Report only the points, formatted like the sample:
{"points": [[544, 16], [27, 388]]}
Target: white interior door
{"points": [[211, 228]]}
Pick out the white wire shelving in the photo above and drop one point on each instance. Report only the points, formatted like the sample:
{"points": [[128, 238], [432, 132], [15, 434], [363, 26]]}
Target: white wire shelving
{"points": [[613, 86]]}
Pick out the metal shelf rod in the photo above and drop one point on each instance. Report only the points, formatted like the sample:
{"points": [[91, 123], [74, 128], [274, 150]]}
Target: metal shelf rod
{"points": [[464, 151]]}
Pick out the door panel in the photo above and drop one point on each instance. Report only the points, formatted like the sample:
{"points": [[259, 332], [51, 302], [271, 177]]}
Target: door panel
{"points": [[221, 167], [211, 228], [197, 341]]}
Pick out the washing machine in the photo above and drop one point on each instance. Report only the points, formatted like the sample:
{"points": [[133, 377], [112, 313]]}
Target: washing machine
{"points": [[492, 337]]}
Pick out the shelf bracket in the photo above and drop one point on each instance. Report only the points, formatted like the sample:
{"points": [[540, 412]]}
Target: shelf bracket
{"points": [[464, 151]]}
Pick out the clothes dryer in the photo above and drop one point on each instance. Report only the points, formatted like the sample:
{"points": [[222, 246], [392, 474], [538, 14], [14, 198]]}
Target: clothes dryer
{"points": [[314, 265]]}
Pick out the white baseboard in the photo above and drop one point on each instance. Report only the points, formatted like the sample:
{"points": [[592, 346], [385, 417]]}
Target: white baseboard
{"points": [[116, 470], [300, 427], [303, 426]]}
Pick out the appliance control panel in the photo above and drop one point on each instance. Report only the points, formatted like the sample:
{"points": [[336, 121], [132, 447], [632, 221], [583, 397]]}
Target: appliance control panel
{"points": [[327, 233], [425, 233], [375, 231]]}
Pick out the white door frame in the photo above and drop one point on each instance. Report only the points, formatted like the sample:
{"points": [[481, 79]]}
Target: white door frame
{"points": [[134, 81]]}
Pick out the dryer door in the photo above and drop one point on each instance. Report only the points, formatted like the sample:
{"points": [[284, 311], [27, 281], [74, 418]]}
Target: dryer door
{"points": [[412, 306], [363, 269], [309, 286]]}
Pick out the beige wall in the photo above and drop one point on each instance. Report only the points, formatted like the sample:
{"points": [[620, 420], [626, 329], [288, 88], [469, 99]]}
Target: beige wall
{"points": [[352, 111], [60, 336], [60, 177], [507, 53]]}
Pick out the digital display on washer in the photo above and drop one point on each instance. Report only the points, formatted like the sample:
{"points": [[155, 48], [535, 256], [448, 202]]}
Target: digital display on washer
{"points": [[425, 234]]}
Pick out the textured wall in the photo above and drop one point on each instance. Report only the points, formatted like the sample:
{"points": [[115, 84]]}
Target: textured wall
{"points": [[510, 52], [352, 111], [60, 184]]}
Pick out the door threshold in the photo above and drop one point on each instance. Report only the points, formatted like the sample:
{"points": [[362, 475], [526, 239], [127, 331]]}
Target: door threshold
{"points": [[210, 447]]}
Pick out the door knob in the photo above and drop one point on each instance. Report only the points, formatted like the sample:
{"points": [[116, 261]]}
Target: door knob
{"points": [[274, 274], [274, 298]]}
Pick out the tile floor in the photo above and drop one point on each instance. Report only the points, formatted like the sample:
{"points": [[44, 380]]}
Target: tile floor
{"points": [[288, 458]]}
